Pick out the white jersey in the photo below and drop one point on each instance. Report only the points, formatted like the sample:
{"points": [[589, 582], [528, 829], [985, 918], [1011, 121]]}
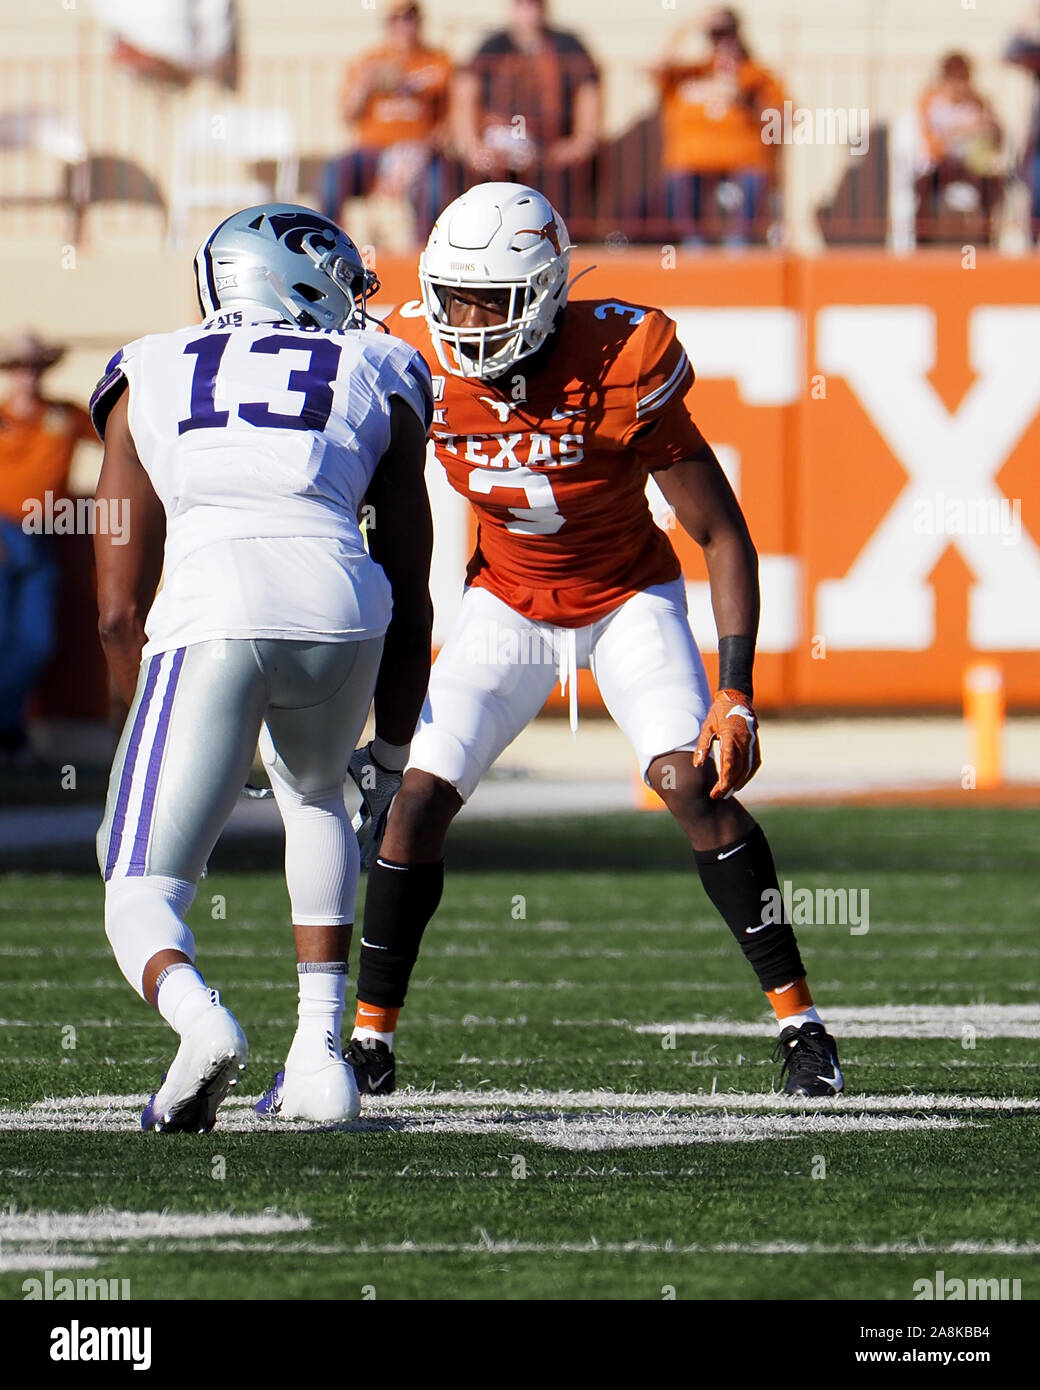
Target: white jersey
{"points": [[260, 439]]}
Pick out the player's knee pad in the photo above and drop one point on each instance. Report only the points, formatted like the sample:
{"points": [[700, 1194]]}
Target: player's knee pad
{"points": [[144, 916], [322, 859], [446, 757]]}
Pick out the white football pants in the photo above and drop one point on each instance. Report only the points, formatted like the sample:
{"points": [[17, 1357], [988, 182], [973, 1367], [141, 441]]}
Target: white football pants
{"points": [[184, 756], [497, 668]]}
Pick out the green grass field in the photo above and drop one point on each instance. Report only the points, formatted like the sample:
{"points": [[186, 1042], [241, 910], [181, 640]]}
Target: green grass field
{"points": [[556, 1140]]}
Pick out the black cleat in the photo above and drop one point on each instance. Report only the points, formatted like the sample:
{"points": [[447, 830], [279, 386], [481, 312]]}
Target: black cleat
{"points": [[810, 1061], [372, 1063]]}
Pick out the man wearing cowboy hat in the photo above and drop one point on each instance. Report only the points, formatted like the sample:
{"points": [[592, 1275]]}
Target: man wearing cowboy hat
{"points": [[37, 439]]}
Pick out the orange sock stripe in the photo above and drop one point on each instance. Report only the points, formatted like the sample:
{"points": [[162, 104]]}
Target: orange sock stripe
{"points": [[375, 1016], [790, 999]]}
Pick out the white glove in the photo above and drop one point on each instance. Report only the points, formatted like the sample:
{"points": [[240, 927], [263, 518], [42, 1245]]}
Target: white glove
{"points": [[378, 787]]}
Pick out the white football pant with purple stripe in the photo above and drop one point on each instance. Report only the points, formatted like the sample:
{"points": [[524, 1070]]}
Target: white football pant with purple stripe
{"points": [[184, 757]]}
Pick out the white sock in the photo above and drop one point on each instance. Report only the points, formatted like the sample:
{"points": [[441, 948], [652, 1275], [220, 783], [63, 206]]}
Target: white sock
{"points": [[387, 1038], [796, 1020], [182, 996], [323, 999]]}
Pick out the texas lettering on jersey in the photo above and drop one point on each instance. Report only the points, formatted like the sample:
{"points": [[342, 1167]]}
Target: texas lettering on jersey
{"points": [[555, 461]]}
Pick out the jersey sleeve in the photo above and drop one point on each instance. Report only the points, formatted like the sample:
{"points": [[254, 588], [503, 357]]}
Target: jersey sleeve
{"points": [[113, 383], [662, 430], [413, 383]]}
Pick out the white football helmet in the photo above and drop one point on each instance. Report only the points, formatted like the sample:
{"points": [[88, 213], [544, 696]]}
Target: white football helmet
{"points": [[496, 236], [287, 258]]}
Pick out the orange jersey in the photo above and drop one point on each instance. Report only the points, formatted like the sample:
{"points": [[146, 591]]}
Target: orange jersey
{"points": [[408, 97], [555, 463], [36, 451], [712, 121]]}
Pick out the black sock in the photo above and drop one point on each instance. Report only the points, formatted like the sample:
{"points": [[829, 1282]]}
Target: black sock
{"points": [[400, 901], [736, 878]]}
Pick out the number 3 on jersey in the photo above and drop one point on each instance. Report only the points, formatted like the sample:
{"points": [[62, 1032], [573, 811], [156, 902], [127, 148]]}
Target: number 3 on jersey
{"points": [[314, 384], [541, 518]]}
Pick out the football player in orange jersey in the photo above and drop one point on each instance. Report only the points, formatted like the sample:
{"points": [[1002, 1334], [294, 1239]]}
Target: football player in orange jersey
{"points": [[549, 417]]}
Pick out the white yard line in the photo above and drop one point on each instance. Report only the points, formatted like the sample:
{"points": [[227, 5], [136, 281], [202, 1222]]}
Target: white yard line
{"points": [[141, 1225], [25, 1260], [490, 1246], [574, 1133], [575, 1121], [884, 1021], [595, 1133]]}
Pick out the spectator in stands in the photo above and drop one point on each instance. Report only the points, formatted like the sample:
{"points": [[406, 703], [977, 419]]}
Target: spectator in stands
{"points": [[720, 176], [37, 438], [174, 41], [527, 109], [1024, 52], [397, 97], [959, 187]]}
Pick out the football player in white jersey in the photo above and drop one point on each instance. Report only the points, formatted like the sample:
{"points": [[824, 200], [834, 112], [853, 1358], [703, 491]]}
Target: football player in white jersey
{"points": [[245, 447]]}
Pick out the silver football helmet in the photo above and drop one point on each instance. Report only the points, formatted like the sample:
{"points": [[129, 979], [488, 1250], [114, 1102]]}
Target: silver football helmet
{"points": [[287, 258]]}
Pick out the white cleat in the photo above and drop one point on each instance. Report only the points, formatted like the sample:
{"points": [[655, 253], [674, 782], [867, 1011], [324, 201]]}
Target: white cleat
{"points": [[328, 1095], [212, 1053]]}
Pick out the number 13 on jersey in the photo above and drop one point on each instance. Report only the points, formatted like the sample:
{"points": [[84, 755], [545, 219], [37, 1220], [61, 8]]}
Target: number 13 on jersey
{"points": [[313, 383]]}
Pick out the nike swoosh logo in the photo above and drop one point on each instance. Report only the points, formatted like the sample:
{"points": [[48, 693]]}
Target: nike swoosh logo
{"points": [[832, 1081], [374, 1081], [559, 414], [782, 989], [750, 931], [372, 945], [728, 852]]}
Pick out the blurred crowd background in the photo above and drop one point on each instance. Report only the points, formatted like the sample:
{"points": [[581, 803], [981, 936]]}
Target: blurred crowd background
{"points": [[128, 127], [641, 121]]}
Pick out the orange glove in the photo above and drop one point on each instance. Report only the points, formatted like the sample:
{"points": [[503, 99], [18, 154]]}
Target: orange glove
{"points": [[733, 722]]}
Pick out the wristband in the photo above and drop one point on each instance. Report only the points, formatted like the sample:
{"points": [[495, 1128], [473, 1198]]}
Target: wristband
{"points": [[736, 658], [391, 757]]}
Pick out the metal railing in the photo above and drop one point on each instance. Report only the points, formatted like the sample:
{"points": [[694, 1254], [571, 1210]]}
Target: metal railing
{"points": [[79, 135]]}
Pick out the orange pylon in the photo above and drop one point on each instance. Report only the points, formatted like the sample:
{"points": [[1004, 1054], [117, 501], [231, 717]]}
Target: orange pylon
{"points": [[984, 715]]}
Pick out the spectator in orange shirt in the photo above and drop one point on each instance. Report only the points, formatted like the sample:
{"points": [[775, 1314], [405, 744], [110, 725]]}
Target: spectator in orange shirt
{"points": [[396, 95], [37, 439], [719, 173], [959, 187], [527, 109]]}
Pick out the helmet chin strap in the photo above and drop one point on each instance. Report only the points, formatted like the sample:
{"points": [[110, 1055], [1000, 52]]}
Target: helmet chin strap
{"points": [[292, 308]]}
